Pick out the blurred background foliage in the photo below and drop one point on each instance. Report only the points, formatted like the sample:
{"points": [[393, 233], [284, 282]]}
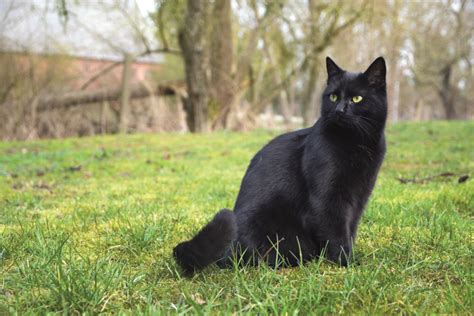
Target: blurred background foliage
{"points": [[72, 68]]}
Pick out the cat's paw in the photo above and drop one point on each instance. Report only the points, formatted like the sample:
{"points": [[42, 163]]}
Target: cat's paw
{"points": [[182, 255], [340, 255]]}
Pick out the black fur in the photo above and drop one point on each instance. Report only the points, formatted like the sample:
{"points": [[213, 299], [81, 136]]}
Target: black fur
{"points": [[305, 191], [209, 245]]}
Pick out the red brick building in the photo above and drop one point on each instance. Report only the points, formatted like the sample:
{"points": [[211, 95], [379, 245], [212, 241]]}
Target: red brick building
{"points": [[77, 71]]}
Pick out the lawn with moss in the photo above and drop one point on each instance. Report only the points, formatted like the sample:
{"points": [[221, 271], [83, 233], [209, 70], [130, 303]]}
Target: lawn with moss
{"points": [[87, 226]]}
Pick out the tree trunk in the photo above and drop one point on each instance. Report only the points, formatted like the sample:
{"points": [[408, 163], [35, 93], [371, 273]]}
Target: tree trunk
{"points": [[419, 109], [393, 89], [125, 96], [309, 96], [446, 94], [282, 95], [396, 100], [395, 37], [292, 105], [104, 110], [285, 109], [310, 89], [222, 85], [191, 41]]}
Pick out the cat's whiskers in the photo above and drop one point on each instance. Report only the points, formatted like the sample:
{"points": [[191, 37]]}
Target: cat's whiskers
{"points": [[366, 128]]}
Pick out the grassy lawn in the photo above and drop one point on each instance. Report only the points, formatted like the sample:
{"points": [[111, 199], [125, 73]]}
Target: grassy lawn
{"points": [[87, 225]]}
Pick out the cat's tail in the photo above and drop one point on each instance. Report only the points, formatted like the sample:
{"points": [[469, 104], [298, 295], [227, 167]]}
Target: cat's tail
{"points": [[209, 245]]}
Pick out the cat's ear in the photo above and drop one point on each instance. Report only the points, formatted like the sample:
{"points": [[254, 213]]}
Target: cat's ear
{"points": [[376, 72], [333, 69]]}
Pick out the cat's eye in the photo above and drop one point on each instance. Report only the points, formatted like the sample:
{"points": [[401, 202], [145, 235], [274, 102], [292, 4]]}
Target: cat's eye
{"points": [[356, 99], [333, 97]]}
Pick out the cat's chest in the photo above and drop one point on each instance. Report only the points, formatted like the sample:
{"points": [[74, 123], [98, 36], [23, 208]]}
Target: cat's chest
{"points": [[358, 159], [350, 169]]}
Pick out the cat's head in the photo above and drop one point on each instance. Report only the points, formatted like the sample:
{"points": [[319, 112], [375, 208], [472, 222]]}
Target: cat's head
{"points": [[355, 101]]}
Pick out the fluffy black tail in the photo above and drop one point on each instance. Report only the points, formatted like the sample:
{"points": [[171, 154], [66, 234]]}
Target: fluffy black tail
{"points": [[209, 245]]}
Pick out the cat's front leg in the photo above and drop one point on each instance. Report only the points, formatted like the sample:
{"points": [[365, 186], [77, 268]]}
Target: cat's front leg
{"points": [[339, 250], [334, 240], [331, 230]]}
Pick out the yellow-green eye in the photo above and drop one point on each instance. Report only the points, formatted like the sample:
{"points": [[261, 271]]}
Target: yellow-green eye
{"points": [[356, 99], [333, 97]]}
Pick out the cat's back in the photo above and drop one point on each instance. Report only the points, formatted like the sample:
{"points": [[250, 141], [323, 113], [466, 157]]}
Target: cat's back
{"points": [[283, 151], [275, 169]]}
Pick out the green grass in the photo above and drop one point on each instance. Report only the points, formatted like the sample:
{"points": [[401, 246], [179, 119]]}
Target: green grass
{"points": [[87, 226]]}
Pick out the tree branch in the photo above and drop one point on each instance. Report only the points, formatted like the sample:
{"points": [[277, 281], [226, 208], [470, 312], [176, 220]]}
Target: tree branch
{"points": [[118, 63], [83, 97]]}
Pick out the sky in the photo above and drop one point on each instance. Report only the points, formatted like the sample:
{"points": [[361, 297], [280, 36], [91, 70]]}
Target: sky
{"points": [[93, 29]]}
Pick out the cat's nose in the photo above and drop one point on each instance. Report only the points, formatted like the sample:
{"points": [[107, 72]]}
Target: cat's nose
{"points": [[340, 108]]}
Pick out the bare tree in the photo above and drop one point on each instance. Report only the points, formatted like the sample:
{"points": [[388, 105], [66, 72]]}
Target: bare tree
{"points": [[446, 41], [326, 23], [192, 43], [221, 62]]}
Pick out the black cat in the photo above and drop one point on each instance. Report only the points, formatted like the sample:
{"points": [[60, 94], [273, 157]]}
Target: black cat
{"points": [[305, 191]]}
